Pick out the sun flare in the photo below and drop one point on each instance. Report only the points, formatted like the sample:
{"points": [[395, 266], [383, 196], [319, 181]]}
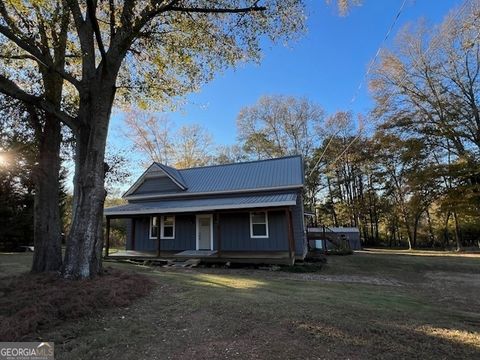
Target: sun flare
{"points": [[3, 159]]}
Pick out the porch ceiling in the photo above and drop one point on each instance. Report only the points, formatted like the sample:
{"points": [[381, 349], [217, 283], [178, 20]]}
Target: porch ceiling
{"points": [[204, 204]]}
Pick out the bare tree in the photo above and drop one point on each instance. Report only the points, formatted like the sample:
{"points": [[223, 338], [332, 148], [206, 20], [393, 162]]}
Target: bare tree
{"points": [[431, 84], [280, 125], [193, 146], [151, 135], [227, 154], [157, 137]]}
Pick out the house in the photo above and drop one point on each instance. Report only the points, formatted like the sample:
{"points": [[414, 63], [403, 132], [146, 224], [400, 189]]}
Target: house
{"points": [[243, 212]]}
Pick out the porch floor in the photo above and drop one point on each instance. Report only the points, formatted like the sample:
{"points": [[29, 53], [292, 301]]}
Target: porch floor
{"points": [[132, 253], [258, 257], [196, 253]]}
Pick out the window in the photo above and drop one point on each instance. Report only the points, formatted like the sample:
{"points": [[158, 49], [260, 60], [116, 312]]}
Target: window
{"points": [[167, 227], [259, 224]]}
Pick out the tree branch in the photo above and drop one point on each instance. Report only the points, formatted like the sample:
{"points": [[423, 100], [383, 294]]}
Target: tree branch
{"points": [[37, 55], [17, 57], [84, 32], [8, 87], [111, 6], [77, 14], [91, 10], [218, 10]]}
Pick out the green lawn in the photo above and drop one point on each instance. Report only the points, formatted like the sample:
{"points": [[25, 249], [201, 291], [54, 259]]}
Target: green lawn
{"points": [[386, 305]]}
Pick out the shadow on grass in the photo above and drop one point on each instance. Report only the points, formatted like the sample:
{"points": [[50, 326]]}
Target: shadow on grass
{"points": [[393, 340]]}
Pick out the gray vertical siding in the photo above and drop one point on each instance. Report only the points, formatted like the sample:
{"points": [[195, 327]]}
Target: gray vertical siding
{"points": [[234, 232], [157, 185], [184, 235]]}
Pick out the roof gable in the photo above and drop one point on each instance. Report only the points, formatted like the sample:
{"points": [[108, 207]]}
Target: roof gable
{"points": [[174, 175], [158, 178]]}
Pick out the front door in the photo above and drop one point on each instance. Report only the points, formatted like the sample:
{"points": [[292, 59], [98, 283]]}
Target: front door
{"points": [[204, 232]]}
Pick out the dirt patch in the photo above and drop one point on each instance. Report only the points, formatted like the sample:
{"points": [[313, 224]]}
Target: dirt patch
{"points": [[33, 302], [371, 280], [432, 253], [458, 287], [454, 277]]}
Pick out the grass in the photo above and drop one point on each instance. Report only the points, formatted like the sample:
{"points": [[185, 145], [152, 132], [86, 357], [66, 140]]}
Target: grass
{"points": [[31, 304], [370, 305]]}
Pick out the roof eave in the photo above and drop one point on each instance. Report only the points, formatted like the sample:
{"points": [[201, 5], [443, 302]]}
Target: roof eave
{"points": [[225, 192], [202, 208]]}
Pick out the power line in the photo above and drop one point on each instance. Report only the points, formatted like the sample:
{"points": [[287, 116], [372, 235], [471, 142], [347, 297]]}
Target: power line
{"points": [[429, 47], [403, 78], [377, 54], [369, 69], [323, 152]]}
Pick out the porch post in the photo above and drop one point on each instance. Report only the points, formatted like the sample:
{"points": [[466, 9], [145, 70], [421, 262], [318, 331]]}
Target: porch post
{"points": [[288, 215], [132, 233], [159, 229], [107, 242], [219, 237]]}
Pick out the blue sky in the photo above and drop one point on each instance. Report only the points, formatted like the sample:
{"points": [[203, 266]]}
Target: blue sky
{"points": [[326, 65]]}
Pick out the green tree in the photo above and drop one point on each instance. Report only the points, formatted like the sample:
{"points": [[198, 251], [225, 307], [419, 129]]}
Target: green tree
{"points": [[428, 89], [404, 167], [17, 164], [46, 87], [129, 50]]}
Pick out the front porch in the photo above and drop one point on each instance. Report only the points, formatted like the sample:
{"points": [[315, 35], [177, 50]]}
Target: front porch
{"points": [[251, 257], [228, 234]]}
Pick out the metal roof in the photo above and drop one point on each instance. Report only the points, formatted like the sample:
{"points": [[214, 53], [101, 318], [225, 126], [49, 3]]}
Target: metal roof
{"points": [[203, 204], [285, 172]]}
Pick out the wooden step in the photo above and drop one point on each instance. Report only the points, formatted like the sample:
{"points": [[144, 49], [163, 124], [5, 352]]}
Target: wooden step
{"points": [[190, 263]]}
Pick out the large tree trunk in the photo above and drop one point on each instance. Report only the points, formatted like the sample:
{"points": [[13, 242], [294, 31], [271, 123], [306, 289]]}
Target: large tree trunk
{"points": [[83, 257], [431, 233], [458, 237], [47, 223], [415, 230], [330, 194], [446, 243], [406, 222]]}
